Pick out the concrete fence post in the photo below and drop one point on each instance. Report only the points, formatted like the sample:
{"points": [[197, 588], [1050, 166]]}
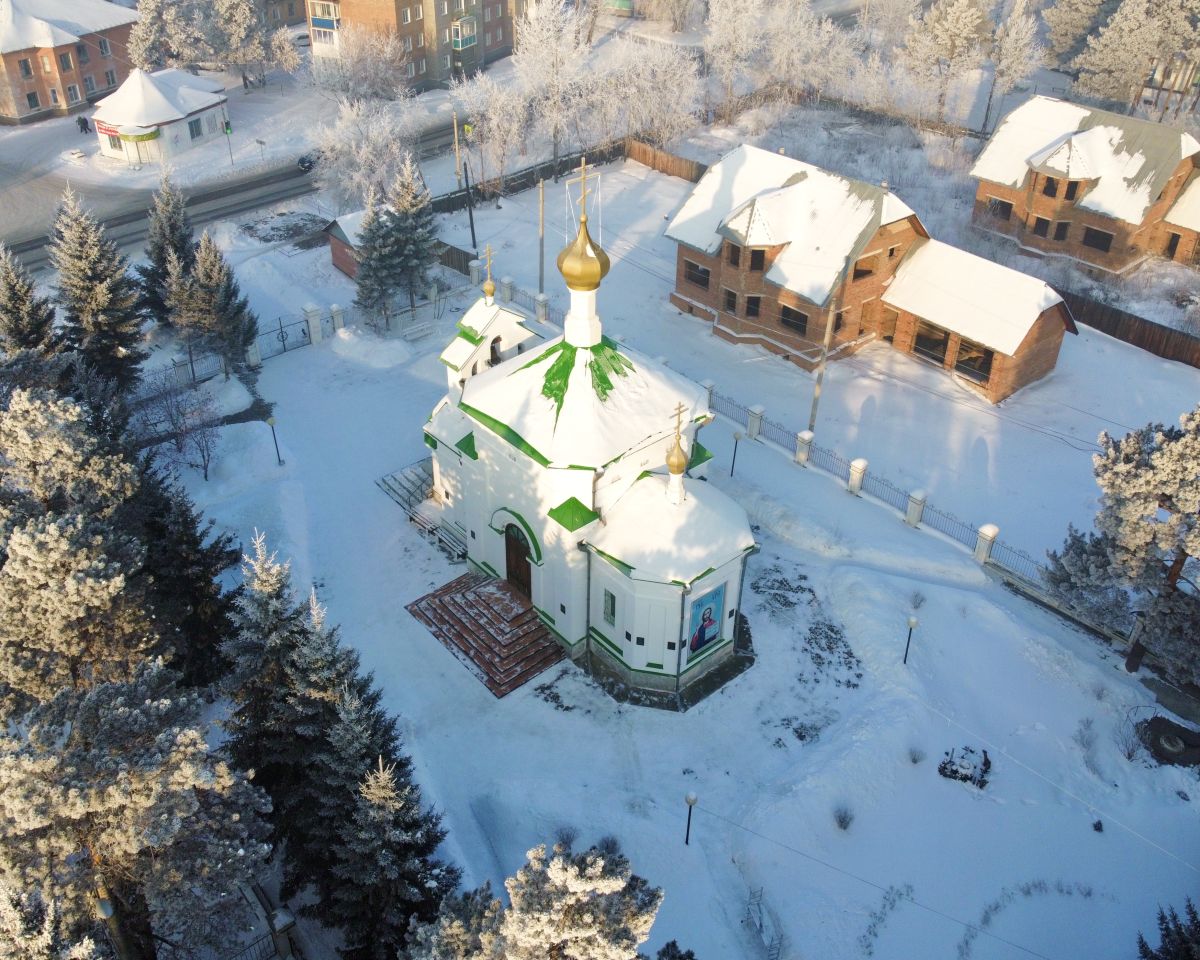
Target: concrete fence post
{"points": [[338, 315], [804, 441], [986, 540], [754, 419], [916, 508], [709, 386], [506, 289], [475, 268], [542, 308], [858, 473], [312, 320], [433, 292], [254, 355]]}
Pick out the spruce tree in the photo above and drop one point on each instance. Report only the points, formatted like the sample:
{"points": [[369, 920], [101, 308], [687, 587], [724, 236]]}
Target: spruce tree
{"points": [[945, 42], [467, 927], [1069, 23], [26, 320], [207, 305], [98, 298], [380, 262], [1117, 60], [384, 867], [672, 951], [170, 231], [31, 929], [1178, 939], [416, 228]]}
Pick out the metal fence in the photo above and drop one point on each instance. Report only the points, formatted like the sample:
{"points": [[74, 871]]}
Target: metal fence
{"points": [[883, 489], [284, 337], [1018, 562], [778, 433], [730, 408], [188, 372], [824, 459], [950, 525]]}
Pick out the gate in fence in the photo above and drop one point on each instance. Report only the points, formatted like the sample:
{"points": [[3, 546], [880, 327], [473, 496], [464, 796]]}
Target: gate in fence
{"points": [[285, 337]]}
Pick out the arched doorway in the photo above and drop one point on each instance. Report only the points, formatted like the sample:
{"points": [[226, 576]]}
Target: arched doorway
{"points": [[494, 359], [516, 554]]}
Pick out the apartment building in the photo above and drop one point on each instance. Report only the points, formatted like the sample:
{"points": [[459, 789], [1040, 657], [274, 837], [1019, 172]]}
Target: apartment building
{"points": [[443, 38], [57, 56]]}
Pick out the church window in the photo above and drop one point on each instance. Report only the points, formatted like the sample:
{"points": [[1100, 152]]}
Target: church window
{"points": [[641, 641], [670, 644], [610, 608], [730, 301], [694, 273], [758, 260], [562, 608], [628, 635]]}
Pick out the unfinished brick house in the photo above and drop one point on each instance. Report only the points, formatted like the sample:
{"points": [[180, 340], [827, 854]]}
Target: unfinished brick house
{"points": [[782, 254], [1109, 190], [344, 233]]}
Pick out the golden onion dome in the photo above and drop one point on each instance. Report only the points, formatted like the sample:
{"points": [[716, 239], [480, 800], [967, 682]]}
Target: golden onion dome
{"points": [[582, 263], [677, 460], [489, 288]]}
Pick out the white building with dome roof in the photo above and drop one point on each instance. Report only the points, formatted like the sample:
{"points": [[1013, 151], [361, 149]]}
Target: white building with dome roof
{"points": [[570, 465]]}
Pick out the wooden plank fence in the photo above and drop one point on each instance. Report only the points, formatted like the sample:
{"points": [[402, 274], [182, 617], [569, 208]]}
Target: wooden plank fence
{"points": [[671, 164], [1165, 342]]}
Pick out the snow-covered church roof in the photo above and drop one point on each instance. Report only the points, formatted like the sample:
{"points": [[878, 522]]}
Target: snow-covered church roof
{"points": [[155, 99], [1126, 161], [25, 24], [573, 406], [761, 199]]}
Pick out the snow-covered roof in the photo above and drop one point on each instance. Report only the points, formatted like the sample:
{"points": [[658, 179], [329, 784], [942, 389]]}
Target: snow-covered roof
{"points": [[761, 199], [1126, 161], [664, 541], [968, 295], [25, 24], [481, 324], [584, 407], [348, 226], [1185, 211], [154, 99]]}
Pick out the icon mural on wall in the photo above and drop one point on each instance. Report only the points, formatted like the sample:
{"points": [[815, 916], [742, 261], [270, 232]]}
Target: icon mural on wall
{"points": [[705, 625]]}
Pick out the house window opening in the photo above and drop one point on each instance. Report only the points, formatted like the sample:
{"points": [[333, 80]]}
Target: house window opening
{"points": [[1097, 239], [864, 268], [735, 255], [794, 319], [931, 342], [696, 274], [974, 361], [753, 306], [1041, 227], [758, 260], [1072, 189], [1050, 187], [1172, 245], [1061, 230], [730, 301], [1000, 209]]}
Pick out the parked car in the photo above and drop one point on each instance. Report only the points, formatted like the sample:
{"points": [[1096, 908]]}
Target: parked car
{"points": [[307, 162]]}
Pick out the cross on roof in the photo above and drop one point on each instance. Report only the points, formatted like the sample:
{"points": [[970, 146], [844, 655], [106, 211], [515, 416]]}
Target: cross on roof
{"points": [[583, 187], [487, 260], [680, 409]]}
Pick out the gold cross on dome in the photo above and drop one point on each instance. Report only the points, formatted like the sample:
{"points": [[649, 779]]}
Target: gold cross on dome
{"points": [[487, 259], [680, 409], [583, 188]]}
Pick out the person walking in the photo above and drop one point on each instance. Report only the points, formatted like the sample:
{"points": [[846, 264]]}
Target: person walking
{"points": [[82, 123]]}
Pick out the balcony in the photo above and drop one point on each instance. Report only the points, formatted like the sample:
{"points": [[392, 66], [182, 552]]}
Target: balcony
{"points": [[463, 33]]}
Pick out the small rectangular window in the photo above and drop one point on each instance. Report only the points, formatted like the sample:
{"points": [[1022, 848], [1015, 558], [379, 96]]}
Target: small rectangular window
{"points": [[758, 260], [1172, 245], [837, 321], [487, 14], [1072, 189], [110, 78], [446, 61], [1050, 187], [64, 62], [421, 66], [89, 84], [32, 100], [26, 68], [194, 129], [72, 93], [420, 12], [105, 49], [641, 641], [891, 253], [81, 52], [696, 274], [610, 607], [730, 301], [735, 254], [793, 319], [753, 306], [1061, 229], [114, 142], [1097, 239], [406, 16], [1041, 227], [670, 644], [420, 44], [499, 34], [410, 70], [47, 64], [1000, 209]]}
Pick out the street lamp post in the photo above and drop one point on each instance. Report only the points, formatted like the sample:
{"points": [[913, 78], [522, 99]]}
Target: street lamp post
{"points": [[912, 624], [271, 424], [691, 800], [736, 437]]}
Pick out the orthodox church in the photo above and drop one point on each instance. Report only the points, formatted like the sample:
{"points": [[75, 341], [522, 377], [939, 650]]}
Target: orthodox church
{"points": [[570, 466]]}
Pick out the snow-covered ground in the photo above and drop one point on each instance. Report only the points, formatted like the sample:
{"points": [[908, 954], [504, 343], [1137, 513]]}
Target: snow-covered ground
{"points": [[829, 718]]}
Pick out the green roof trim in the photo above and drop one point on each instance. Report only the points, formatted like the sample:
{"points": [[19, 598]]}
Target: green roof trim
{"points": [[607, 644], [704, 574], [572, 514], [700, 454], [449, 364], [619, 564], [431, 441], [607, 362], [467, 446], [470, 334], [504, 432]]}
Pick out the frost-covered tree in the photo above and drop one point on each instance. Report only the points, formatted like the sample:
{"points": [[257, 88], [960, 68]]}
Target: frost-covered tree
{"points": [[732, 40], [467, 927], [26, 319], [678, 13], [31, 929], [498, 118], [169, 231], [167, 33], [1016, 52], [1179, 939], [384, 866], [370, 65], [1118, 60], [1082, 574], [664, 91], [411, 210], [672, 951], [380, 258], [1069, 23], [550, 58], [944, 43], [884, 23], [363, 149], [113, 791], [806, 53], [588, 905], [99, 299]]}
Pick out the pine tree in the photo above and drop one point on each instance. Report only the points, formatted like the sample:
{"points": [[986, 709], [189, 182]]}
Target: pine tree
{"points": [[113, 790], [944, 43], [1083, 576], [26, 320], [31, 929], [1116, 61], [416, 228], [1178, 939], [1069, 23], [170, 231], [467, 928], [586, 905], [1016, 52], [99, 300], [149, 46], [207, 306], [384, 867], [380, 263], [672, 951]]}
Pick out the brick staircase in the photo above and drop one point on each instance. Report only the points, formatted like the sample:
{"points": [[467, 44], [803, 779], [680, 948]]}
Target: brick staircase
{"points": [[491, 628]]}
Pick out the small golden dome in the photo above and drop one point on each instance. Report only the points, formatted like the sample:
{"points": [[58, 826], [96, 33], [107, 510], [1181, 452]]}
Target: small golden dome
{"points": [[677, 460], [489, 288], [582, 263]]}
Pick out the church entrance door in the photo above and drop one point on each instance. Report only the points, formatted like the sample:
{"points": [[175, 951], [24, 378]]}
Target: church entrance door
{"points": [[516, 550]]}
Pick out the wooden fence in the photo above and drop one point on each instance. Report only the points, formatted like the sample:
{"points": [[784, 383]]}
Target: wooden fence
{"points": [[456, 259], [1152, 337], [664, 162]]}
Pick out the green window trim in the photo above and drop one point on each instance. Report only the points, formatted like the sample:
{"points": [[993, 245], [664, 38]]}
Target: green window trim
{"points": [[573, 515], [505, 433], [430, 441], [535, 548], [449, 364], [467, 446]]}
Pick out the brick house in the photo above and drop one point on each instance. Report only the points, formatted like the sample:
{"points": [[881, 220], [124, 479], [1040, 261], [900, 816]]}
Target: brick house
{"points": [[57, 56], [782, 254], [1109, 190], [343, 236]]}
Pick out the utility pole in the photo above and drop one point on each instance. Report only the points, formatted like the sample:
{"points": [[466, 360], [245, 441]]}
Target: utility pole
{"points": [[457, 155], [470, 206], [541, 236], [834, 300]]}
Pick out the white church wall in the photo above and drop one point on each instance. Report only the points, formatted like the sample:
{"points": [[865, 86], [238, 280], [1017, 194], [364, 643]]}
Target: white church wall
{"points": [[643, 611], [718, 591]]}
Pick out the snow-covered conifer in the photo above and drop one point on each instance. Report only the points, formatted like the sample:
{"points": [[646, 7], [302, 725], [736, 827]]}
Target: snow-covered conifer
{"points": [[31, 929], [99, 300], [1179, 939], [380, 263], [943, 44], [467, 927], [1069, 23], [169, 231], [411, 210], [26, 319], [672, 951], [1016, 51], [235, 33], [230, 326], [1117, 60], [732, 39], [586, 905], [1082, 575], [149, 44]]}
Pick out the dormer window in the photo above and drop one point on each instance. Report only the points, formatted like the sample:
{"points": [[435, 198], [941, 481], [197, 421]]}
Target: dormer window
{"points": [[1072, 189], [758, 260], [1050, 187]]}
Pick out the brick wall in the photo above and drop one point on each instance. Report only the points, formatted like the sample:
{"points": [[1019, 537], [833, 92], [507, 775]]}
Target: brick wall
{"points": [[343, 257]]}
